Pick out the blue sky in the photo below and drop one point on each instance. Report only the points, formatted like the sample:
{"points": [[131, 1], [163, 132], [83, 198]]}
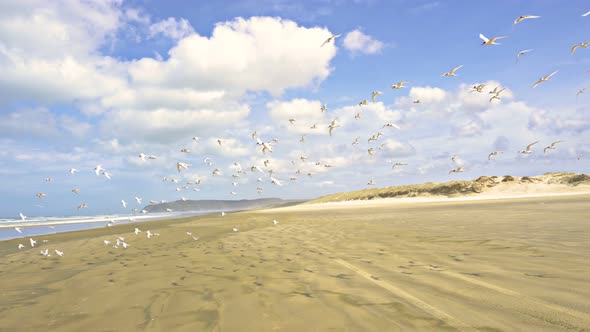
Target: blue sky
{"points": [[98, 82]]}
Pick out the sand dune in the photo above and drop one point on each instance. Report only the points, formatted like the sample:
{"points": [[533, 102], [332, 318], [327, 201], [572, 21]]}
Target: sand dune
{"points": [[471, 265]]}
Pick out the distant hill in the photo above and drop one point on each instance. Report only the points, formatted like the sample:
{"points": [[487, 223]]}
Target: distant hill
{"points": [[484, 184], [219, 205]]}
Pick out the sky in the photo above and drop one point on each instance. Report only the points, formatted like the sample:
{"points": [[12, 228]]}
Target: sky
{"points": [[87, 83]]}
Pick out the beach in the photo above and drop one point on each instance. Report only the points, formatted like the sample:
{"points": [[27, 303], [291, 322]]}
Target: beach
{"points": [[497, 264]]}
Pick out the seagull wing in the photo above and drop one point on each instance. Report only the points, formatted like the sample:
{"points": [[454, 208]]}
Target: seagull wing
{"points": [[537, 83], [588, 13], [484, 38], [528, 147], [549, 76]]}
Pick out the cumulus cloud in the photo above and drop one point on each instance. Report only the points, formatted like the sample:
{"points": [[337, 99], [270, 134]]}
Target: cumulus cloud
{"points": [[357, 41]]}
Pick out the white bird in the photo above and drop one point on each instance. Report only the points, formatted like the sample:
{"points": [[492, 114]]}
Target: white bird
{"points": [[98, 169], [82, 206], [491, 41], [364, 102], [523, 52], [371, 182], [33, 242], [371, 151], [41, 195], [356, 141], [374, 95], [544, 78], [233, 193], [107, 174], [584, 15], [399, 85], [125, 245], [235, 229], [528, 148], [582, 90], [222, 214], [148, 234], [124, 203], [456, 170], [18, 230], [524, 17], [398, 164], [22, 216], [196, 138], [417, 101], [275, 222], [185, 150], [75, 190], [136, 231], [59, 253], [138, 200], [575, 47], [216, 171], [324, 108], [332, 126], [220, 142], [48, 180], [495, 153], [142, 156], [452, 71], [45, 253], [20, 246], [331, 38], [195, 238], [73, 171], [389, 125], [275, 181], [552, 146], [106, 242], [180, 166]]}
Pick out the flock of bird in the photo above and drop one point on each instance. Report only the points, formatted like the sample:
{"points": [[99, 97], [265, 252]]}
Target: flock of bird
{"points": [[265, 172]]}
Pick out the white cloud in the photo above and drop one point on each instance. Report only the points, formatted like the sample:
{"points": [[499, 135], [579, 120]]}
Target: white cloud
{"points": [[172, 28], [358, 42]]}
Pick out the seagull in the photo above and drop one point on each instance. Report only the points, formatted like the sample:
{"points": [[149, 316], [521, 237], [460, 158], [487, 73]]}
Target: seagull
{"points": [[478, 88], [314, 126], [494, 97], [356, 140], [45, 253], [185, 150], [196, 138], [235, 229], [332, 126], [275, 222], [222, 213], [136, 231], [496, 91], [357, 116], [254, 134], [22, 216], [522, 18], [452, 72], [33, 242], [371, 182], [138, 200], [48, 180], [364, 102], [552, 146], [75, 190], [180, 166], [371, 151], [398, 164], [324, 108], [291, 121], [59, 253], [544, 78], [275, 181], [41, 195], [521, 53], [20, 246], [374, 95], [142, 156], [389, 125], [584, 15], [495, 153], [528, 148], [265, 146], [399, 85], [220, 142], [148, 234], [582, 90], [98, 169], [216, 171], [233, 193], [82, 206], [106, 242], [492, 41], [266, 162], [331, 38], [417, 101], [107, 174], [18, 229], [124, 203], [73, 171], [456, 170], [584, 45]]}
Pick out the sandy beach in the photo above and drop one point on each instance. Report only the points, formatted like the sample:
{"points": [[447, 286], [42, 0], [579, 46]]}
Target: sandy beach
{"points": [[490, 265]]}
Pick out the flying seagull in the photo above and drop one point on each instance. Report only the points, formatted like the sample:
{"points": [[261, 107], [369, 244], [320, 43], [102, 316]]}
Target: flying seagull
{"points": [[523, 17], [332, 126], [544, 78], [575, 47], [552, 146], [528, 149], [399, 85], [374, 95], [491, 41], [521, 53], [495, 153], [331, 38], [452, 71]]}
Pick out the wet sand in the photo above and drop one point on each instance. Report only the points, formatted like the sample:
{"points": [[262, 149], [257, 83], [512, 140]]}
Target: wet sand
{"points": [[519, 264]]}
